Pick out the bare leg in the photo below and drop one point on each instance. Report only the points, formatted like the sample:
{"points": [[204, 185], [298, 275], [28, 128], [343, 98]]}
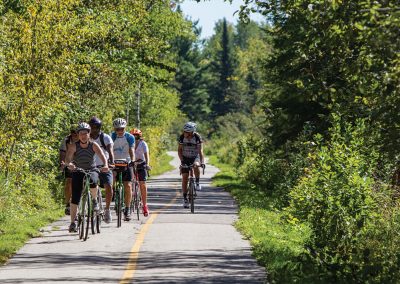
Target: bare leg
{"points": [[184, 183], [128, 193], [74, 211], [109, 194], [68, 190], [143, 191]]}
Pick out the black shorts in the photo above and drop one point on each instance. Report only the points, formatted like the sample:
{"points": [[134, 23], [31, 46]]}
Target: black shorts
{"points": [[67, 173], [105, 178], [77, 185], [141, 172], [127, 175], [188, 162]]}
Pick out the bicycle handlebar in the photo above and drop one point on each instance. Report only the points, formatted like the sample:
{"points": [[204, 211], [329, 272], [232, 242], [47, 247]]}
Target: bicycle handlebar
{"points": [[87, 171], [184, 166]]}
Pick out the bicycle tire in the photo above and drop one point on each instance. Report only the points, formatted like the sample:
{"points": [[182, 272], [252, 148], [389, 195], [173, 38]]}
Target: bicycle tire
{"points": [[93, 221], [191, 194], [88, 200], [82, 215], [119, 206], [137, 200], [101, 211]]}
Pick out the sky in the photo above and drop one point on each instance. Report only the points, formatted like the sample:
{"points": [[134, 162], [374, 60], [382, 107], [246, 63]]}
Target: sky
{"points": [[209, 12]]}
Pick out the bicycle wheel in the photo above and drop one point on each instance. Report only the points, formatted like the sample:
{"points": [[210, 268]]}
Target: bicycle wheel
{"points": [[101, 211], [138, 199], [88, 214], [191, 195], [119, 202], [82, 215]]}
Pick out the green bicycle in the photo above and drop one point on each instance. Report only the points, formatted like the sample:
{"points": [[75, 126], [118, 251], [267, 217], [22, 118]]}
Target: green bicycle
{"points": [[86, 215], [119, 167]]}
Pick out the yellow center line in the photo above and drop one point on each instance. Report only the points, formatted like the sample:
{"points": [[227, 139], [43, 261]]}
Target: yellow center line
{"points": [[134, 254]]}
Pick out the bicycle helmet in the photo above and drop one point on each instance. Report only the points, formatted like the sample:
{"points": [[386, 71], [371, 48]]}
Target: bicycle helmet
{"points": [[136, 131], [95, 121], [189, 127], [83, 126], [119, 123]]}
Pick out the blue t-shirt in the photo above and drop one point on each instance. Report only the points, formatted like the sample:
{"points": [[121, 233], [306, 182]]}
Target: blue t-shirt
{"points": [[122, 145]]}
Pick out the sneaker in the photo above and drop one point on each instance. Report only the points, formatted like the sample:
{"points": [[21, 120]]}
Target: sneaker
{"points": [[73, 228], [185, 203], [198, 186], [146, 210], [95, 205], [67, 210], [127, 213], [107, 216]]}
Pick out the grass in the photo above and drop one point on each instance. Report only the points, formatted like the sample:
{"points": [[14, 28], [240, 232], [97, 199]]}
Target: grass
{"points": [[162, 165], [14, 232], [277, 245]]}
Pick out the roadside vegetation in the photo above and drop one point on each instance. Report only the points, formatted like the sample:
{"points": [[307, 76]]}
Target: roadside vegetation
{"points": [[305, 109], [62, 62]]}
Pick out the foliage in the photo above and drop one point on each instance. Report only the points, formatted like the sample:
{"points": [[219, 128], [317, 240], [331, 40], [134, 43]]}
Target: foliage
{"points": [[344, 206], [279, 246]]}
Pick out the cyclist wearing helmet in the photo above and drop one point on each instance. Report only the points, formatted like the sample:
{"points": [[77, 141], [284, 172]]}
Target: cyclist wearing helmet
{"points": [[190, 151], [65, 143], [124, 144], [81, 155], [106, 144], [142, 166]]}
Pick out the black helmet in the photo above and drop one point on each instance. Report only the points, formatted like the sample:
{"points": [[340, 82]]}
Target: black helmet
{"points": [[95, 121]]}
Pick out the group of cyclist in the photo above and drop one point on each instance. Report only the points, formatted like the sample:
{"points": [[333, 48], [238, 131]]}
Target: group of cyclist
{"points": [[87, 147]]}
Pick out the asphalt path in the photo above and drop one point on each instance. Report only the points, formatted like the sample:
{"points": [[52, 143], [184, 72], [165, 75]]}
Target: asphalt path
{"points": [[172, 245]]}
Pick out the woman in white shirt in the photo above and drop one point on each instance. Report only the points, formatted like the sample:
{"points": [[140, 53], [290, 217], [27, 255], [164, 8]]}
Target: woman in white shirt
{"points": [[142, 166]]}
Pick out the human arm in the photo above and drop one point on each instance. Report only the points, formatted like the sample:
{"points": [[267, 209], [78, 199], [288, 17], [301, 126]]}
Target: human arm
{"points": [[69, 156], [110, 150], [100, 154], [180, 151]]}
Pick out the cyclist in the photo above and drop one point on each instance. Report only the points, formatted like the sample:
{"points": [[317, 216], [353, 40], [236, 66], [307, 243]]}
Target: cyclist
{"points": [[142, 166], [124, 143], [81, 155], [106, 179], [65, 143], [190, 151]]}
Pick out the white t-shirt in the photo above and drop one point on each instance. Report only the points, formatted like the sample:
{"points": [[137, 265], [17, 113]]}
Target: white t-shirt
{"points": [[107, 141], [140, 150], [122, 145]]}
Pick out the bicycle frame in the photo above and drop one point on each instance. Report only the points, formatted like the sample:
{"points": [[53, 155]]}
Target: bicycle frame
{"points": [[119, 190], [85, 208], [192, 193], [137, 194]]}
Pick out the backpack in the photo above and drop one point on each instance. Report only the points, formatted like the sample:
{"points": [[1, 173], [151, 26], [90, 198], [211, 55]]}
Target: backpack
{"points": [[102, 140], [114, 136], [196, 136]]}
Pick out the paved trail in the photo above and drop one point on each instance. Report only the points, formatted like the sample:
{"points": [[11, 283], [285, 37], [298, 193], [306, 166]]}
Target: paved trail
{"points": [[172, 245]]}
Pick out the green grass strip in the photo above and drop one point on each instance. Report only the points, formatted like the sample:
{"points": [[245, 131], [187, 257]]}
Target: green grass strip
{"points": [[277, 245], [162, 165], [15, 231]]}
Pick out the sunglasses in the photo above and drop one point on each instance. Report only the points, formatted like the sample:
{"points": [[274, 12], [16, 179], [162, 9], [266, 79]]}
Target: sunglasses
{"points": [[119, 129]]}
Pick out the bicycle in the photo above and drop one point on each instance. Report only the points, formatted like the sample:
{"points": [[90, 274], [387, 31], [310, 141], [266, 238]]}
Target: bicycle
{"points": [[119, 198], [192, 192], [86, 215], [136, 203]]}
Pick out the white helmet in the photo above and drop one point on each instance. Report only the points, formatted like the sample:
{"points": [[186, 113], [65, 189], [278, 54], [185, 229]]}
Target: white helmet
{"points": [[189, 127], [83, 126], [119, 123]]}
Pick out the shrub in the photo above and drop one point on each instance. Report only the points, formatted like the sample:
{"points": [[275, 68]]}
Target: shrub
{"points": [[355, 227]]}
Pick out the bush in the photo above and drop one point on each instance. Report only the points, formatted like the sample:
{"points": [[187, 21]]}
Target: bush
{"points": [[355, 227]]}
